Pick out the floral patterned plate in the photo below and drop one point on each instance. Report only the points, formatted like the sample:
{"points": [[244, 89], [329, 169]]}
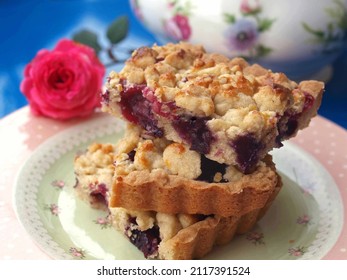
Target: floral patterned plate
{"points": [[304, 222]]}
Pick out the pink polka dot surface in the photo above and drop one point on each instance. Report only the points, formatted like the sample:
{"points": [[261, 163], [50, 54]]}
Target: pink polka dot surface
{"points": [[327, 142], [22, 133]]}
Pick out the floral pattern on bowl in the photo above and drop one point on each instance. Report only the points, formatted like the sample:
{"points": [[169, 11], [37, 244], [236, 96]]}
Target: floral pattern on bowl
{"points": [[243, 33], [299, 38], [177, 27], [332, 37]]}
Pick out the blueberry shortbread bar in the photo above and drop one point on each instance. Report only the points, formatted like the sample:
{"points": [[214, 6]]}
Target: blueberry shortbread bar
{"points": [[225, 109], [158, 235], [163, 176]]}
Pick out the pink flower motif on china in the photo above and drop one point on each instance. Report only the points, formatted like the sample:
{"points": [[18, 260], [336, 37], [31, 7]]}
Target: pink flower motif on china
{"points": [[103, 222], [303, 220], [58, 183], [178, 27], [78, 253], [297, 251], [242, 35], [53, 208], [250, 6], [65, 82], [136, 8], [172, 4], [256, 237]]}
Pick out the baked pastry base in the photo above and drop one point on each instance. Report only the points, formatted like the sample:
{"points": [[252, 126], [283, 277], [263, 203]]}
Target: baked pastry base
{"points": [[160, 192], [178, 236], [196, 240]]}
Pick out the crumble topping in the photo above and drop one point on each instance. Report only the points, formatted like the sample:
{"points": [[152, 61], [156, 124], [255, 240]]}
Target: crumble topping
{"points": [[172, 158], [209, 102], [181, 161], [94, 172], [148, 156], [201, 82]]}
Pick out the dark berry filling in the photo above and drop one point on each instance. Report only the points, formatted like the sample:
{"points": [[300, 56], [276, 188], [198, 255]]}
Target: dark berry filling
{"points": [[99, 194], [164, 109], [288, 124], [202, 217], [209, 168], [131, 155], [105, 97], [195, 132], [291, 128], [137, 109], [247, 151], [76, 182], [146, 241], [139, 105]]}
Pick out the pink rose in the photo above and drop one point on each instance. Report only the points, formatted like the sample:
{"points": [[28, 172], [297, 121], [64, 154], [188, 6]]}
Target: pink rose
{"points": [[247, 8], [65, 82], [178, 27]]}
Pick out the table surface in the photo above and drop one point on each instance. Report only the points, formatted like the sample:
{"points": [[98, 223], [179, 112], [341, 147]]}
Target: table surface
{"points": [[30, 25]]}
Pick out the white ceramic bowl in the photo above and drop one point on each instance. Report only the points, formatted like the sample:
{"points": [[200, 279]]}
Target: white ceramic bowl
{"points": [[297, 37]]}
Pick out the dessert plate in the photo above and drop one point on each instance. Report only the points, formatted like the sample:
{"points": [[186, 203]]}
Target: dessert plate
{"points": [[304, 222]]}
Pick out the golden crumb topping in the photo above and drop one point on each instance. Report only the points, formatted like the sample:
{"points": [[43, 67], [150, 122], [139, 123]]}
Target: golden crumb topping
{"points": [[185, 95]]}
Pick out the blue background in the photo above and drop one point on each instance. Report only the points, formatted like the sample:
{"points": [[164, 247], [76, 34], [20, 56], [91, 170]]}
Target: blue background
{"points": [[27, 26]]}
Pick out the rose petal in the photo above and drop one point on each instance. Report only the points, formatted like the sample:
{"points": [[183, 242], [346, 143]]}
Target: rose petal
{"points": [[65, 82]]}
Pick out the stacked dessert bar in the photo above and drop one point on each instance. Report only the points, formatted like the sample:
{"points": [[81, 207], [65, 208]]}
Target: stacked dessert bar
{"points": [[193, 168]]}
